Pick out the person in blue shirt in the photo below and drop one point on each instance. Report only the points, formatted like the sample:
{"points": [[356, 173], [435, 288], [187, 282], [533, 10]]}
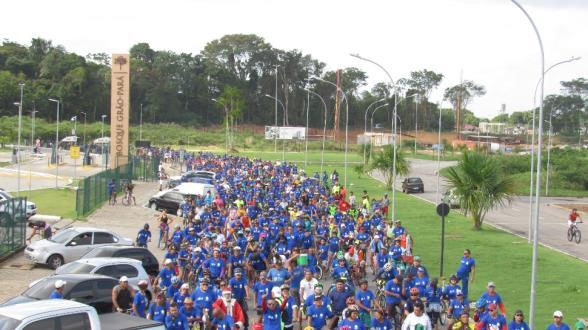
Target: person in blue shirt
{"points": [[393, 293], [158, 309], [457, 305], [379, 322], [272, 313], [340, 270], [466, 269], [289, 306], [433, 294], [278, 275], [421, 281], [518, 322], [338, 297], [492, 297], [451, 288], [190, 312], [558, 323], [57, 293], [140, 300], [353, 321], [318, 314], [182, 295], [175, 320], [261, 289], [398, 229], [365, 301], [144, 236], [166, 274], [204, 297], [221, 321], [216, 265], [493, 320]]}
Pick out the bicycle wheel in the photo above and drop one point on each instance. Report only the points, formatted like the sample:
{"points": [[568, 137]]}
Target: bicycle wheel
{"points": [[578, 236], [381, 300], [443, 314], [126, 201], [570, 234], [319, 272]]}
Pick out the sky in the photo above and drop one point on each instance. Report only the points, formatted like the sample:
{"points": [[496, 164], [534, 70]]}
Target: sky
{"points": [[488, 41]]}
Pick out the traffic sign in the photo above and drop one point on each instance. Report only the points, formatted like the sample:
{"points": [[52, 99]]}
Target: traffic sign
{"points": [[443, 209], [74, 152]]}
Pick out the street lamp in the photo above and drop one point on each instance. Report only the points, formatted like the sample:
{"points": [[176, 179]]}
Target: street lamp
{"points": [[393, 133], [533, 146], [226, 126], [365, 126], [372, 127], [346, 121], [56, 143], [417, 99], [32, 146], [324, 127], [19, 131], [74, 132], [102, 148], [283, 122], [85, 121], [538, 179], [141, 124]]}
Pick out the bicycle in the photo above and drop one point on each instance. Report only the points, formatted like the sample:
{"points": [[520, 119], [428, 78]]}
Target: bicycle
{"points": [[127, 200], [574, 233]]}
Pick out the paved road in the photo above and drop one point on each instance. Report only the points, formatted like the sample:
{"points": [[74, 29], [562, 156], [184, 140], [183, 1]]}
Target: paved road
{"points": [[515, 217]]}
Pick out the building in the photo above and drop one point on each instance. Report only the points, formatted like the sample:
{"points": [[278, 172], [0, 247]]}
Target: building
{"points": [[492, 128]]}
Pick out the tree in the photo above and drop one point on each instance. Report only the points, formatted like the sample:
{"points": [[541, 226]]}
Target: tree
{"points": [[232, 102], [383, 161], [460, 95], [479, 185]]}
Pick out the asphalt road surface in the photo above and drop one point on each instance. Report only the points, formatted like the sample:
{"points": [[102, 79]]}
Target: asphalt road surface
{"points": [[513, 218]]}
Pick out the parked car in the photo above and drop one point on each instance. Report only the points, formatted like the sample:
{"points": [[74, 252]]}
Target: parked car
{"points": [[452, 199], [170, 199], [70, 244], [113, 267], [205, 177], [90, 289], [68, 315], [414, 184], [148, 260], [31, 208]]}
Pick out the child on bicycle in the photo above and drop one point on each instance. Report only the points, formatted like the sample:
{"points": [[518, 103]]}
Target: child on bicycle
{"points": [[143, 236], [573, 217]]}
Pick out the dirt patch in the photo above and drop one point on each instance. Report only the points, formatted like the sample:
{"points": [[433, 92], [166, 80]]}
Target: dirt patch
{"points": [[582, 208]]}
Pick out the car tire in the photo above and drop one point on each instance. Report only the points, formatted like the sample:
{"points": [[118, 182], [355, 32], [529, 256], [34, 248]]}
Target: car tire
{"points": [[54, 261]]}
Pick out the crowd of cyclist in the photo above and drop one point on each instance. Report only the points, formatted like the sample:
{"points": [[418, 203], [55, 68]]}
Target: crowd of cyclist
{"points": [[270, 238]]}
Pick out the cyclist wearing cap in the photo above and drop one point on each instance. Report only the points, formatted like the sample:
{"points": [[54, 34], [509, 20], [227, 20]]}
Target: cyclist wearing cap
{"points": [[456, 306], [174, 288], [289, 306], [365, 301], [203, 298], [189, 311], [180, 296], [166, 273], [158, 309], [451, 288], [492, 297], [558, 323], [140, 300], [387, 272], [57, 293], [318, 314], [421, 281], [215, 264], [278, 275], [122, 295], [261, 289], [493, 320]]}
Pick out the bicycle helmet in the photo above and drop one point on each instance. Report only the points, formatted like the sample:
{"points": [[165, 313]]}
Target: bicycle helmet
{"points": [[175, 280], [146, 226], [387, 267]]}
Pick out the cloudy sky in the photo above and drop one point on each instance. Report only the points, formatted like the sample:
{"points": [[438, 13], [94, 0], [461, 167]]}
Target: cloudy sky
{"points": [[488, 41]]}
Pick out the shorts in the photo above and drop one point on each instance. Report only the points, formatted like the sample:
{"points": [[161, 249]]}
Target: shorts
{"points": [[570, 223]]}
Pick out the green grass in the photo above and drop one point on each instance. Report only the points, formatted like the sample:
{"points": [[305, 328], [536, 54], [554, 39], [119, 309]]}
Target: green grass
{"points": [[59, 202], [4, 164], [501, 257], [445, 156]]}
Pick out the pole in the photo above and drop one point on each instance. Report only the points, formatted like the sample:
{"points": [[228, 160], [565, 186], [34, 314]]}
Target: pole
{"points": [[439, 155], [306, 135], [32, 145], [18, 160], [102, 148], [283, 122], [141, 124], [85, 121], [372, 127], [549, 144], [324, 128], [442, 246], [538, 178], [276, 112], [365, 126], [416, 123]]}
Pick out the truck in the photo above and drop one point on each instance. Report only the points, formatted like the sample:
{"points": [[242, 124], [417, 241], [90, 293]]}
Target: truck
{"points": [[63, 314]]}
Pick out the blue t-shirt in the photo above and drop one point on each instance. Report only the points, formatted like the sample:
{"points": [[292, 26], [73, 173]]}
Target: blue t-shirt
{"points": [[261, 289], [55, 295], [297, 276], [366, 297], [385, 324], [518, 326], [226, 323], [465, 266], [278, 276], [318, 316], [272, 319], [158, 312], [165, 275], [216, 266], [338, 298], [143, 236], [490, 322], [491, 299], [141, 304], [238, 287], [563, 326], [176, 323], [352, 324], [457, 307], [394, 288], [203, 299]]}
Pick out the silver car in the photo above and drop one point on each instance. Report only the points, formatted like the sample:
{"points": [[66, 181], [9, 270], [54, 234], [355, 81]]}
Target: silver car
{"points": [[70, 244]]}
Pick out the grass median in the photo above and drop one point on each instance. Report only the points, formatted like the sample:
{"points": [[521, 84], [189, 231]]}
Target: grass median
{"points": [[60, 202], [500, 257]]}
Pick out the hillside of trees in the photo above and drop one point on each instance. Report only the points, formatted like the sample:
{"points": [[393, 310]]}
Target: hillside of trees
{"points": [[190, 89]]}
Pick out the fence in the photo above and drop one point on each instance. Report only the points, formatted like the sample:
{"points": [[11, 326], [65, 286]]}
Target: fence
{"points": [[93, 191], [13, 221]]}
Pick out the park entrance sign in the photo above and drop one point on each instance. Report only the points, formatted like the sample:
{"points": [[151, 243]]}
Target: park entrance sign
{"points": [[119, 110]]}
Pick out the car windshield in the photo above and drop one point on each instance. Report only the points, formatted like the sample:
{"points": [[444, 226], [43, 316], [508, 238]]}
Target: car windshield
{"points": [[8, 322], [42, 289], [63, 236], [97, 253], [75, 268], [414, 180]]}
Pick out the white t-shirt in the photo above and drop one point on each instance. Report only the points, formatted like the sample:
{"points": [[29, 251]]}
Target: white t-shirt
{"points": [[307, 287], [413, 322]]}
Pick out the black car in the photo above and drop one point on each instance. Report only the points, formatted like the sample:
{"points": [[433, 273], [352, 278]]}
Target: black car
{"points": [[169, 201], [413, 184], [90, 289], [145, 256]]}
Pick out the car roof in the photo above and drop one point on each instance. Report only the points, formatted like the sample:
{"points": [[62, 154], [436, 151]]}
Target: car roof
{"points": [[108, 261], [24, 310], [75, 278], [80, 229]]}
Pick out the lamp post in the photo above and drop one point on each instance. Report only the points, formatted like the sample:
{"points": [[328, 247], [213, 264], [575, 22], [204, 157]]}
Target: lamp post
{"points": [[21, 85], [324, 128], [533, 146], [346, 122], [439, 155], [141, 124], [372, 126], [56, 143], [276, 112], [102, 149], [85, 122], [32, 146], [393, 133], [416, 121], [306, 132], [365, 126], [283, 123], [538, 179], [75, 133], [226, 125]]}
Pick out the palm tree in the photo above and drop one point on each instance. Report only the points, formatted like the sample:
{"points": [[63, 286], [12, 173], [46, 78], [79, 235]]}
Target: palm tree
{"points": [[479, 185], [383, 161]]}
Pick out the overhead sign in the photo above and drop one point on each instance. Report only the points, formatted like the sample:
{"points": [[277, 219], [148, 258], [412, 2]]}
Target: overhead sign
{"points": [[74, 152], [119, 110], [285, 133]]}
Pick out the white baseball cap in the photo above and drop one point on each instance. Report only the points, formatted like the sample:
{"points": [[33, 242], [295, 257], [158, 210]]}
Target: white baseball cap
{"points": [[185, 286], [167, 261], [557, 314], [123, 279], [59, 284]]}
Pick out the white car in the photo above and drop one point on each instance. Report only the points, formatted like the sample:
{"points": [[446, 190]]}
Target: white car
{"points": [[5, 197], [70, 244], [112, 267]]}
